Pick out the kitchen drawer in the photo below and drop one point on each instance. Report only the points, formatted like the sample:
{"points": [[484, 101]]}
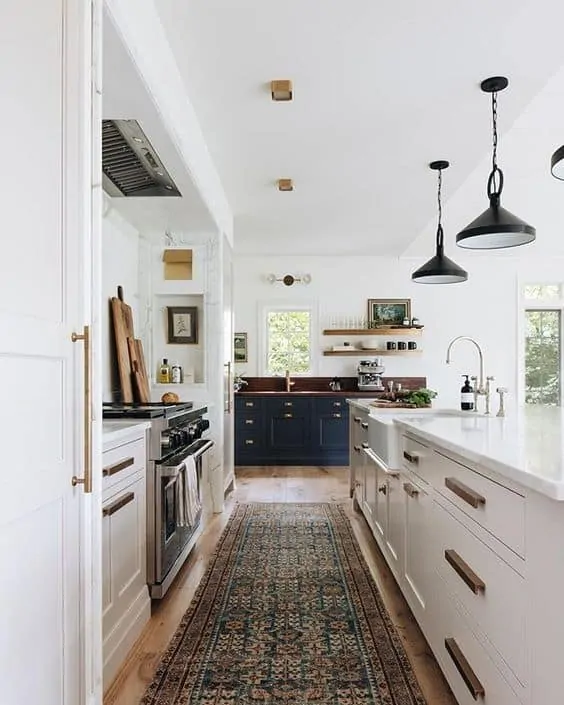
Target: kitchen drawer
{"points": [[470, 671], [498, 509], [417, 458], [247, 420], [488, 588], [121, 462], [248, 438], [331, 405], [279, 406], [243, 403]]}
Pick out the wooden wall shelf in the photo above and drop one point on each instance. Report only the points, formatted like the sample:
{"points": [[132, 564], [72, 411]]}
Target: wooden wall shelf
{"points": [[372, 331], [375, 353]]}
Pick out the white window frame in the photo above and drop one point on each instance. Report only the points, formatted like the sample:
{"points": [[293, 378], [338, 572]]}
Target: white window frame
{"points": [[265, 307], [537, 305]]}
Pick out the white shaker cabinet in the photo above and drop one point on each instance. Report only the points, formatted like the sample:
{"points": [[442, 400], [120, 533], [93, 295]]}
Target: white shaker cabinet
{"points": [[126, 602]]}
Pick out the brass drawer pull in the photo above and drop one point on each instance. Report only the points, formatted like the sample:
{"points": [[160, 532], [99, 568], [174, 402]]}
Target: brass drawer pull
{"points": [[411, 458], [288, 403], [249, 442], [249, 422], [467, 494], [337, 403], [357, 419], [410, 489], [118, 504], [288, 416], [357, 448], [364, 445], [336, 416], [364, 425], [249, 403], [463, 667], [112, 469], [476, 584]]}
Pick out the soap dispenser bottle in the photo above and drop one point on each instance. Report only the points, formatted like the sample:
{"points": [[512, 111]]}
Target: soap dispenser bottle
{"points": [[466, 395]]}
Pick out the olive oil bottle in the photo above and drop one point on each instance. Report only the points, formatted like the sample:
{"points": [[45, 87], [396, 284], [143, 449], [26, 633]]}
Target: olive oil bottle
{"points": [[163, 375]]}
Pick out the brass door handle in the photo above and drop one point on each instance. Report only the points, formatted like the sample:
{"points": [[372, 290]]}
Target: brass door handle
{"points": [[228, 408], [364, 425], [467, 494], [357, 448], [364, 445], [117, 467], [86, 481], [357, 419], [463, 667], [410, 489], [118, 504], [463, 570]]}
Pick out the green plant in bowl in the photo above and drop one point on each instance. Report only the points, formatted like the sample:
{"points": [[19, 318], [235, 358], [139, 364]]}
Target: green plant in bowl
{"points": [[420, 397]]}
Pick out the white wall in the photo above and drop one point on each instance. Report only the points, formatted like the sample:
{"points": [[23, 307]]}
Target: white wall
{"points": [[120, 266], [485, 308]]}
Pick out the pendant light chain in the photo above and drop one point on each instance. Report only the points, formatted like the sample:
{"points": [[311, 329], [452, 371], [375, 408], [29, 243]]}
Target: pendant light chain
{"points": [[494, 124], [440, 209], [495, 181]]}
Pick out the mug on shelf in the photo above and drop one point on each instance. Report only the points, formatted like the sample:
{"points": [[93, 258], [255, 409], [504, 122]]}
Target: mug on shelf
{"points": [[402, 345], [390, 345], [412, 345]]}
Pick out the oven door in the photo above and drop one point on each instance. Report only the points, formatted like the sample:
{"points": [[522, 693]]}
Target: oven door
{"points": [[171, 538]]}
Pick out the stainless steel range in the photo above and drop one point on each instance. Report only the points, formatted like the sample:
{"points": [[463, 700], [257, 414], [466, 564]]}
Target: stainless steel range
{"points": [[178, 432]]}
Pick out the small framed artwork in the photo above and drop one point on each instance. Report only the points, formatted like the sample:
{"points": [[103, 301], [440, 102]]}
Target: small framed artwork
{"points": [[240, 353], [182, 324], [388, 312]]}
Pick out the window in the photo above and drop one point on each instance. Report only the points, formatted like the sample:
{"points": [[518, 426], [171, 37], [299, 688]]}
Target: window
{"points": [[288, 341], [543, 307]]}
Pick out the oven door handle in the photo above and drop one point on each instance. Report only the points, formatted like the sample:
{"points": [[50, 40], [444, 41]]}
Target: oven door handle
{"points": [[170, 483], [203, 449], [173, 472]]}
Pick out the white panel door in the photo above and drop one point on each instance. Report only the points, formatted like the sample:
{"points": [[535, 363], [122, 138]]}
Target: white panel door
{"points": [[42, 192]]}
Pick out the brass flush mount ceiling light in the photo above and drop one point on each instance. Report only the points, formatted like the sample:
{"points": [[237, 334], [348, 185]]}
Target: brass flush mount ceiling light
{"points": [[439, 269], [281, 90], [285, 185], [496, 228]]}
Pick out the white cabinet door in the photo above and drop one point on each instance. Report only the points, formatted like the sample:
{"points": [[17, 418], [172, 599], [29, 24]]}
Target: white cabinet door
{"points": [[418, 505], [370, 484], [124, 552], [395, 535], [381, 504], [45, 196]]}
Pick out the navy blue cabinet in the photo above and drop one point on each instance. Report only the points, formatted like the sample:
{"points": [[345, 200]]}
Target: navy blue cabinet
{"points": [[291, 430]]}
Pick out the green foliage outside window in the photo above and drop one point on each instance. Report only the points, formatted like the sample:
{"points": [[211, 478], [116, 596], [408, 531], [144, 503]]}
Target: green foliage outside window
{"points": [[542, 357], [288, 342]]}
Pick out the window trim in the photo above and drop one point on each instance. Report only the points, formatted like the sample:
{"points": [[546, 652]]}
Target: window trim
{"points": [[267, 306]]}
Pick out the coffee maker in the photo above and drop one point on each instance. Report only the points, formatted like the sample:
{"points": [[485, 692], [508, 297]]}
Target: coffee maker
{"points": [[369, 373]]}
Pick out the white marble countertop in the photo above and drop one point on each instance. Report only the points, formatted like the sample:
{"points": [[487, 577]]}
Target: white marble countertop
{"points": [[115, 431], [526, 447]]}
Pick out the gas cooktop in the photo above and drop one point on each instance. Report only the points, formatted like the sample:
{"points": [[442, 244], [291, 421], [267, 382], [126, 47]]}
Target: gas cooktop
{"points": [[151, 410]]}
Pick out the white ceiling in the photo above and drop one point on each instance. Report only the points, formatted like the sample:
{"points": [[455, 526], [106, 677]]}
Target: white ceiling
{"points": [[125, 96], [381, 89]]}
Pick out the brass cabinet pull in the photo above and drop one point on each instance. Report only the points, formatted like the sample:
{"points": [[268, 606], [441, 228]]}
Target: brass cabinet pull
{"points": [[118, 504], [336, 416], [357, 448], [364, 425], [463, 667], [410, 489], [86, 481], [357, 419], [364, 445], [411, 458], [336, 403], [228, 403], [288, 416], [467, 494], [383, 489], [249, 422], [464, 571], [249, 442], [249, 403], [118, 467], [288, 403]]}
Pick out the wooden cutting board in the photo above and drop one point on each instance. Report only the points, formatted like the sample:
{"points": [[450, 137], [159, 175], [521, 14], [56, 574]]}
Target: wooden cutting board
{"points": [[141, 391], [141, 387], [142, 365], [122, 350], [127, 314]]}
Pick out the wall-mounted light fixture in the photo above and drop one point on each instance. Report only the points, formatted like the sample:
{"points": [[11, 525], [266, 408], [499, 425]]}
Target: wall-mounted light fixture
{"points": [[281, 90], [285, 185], [288, 279]]}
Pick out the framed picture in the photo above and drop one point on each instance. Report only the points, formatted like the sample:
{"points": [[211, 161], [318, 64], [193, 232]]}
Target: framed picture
{"points": [[182, 324], [240, 347], [388, 312]]}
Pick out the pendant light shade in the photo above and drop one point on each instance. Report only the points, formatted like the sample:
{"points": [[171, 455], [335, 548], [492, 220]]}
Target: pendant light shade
{"points": [[496, 227], [557, 164], [440, 269]]}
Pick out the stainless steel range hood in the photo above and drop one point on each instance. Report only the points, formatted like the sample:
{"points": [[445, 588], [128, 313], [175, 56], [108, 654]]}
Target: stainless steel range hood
{"points": [[130, 165]]}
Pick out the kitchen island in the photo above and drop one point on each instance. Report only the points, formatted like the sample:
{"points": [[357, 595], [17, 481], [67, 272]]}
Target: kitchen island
{"points": [[471, 523]]}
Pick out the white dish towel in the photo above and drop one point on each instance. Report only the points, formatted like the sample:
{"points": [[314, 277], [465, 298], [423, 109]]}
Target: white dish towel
{"points": [[188, 500]]}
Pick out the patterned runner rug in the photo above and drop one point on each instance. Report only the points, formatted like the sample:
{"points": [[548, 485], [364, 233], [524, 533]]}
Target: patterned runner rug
{"points": [[287, 613]]}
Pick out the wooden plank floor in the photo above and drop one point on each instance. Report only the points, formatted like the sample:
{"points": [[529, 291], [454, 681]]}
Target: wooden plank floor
{"points": [[275, 484]]}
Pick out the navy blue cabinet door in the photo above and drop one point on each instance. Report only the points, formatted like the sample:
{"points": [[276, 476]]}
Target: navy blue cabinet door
{"points": [[333, 432]]}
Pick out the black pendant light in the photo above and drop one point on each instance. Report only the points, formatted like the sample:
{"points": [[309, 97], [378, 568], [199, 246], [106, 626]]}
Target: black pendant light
{"points": [[439, 269], [557, 164], [496, 228]]}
